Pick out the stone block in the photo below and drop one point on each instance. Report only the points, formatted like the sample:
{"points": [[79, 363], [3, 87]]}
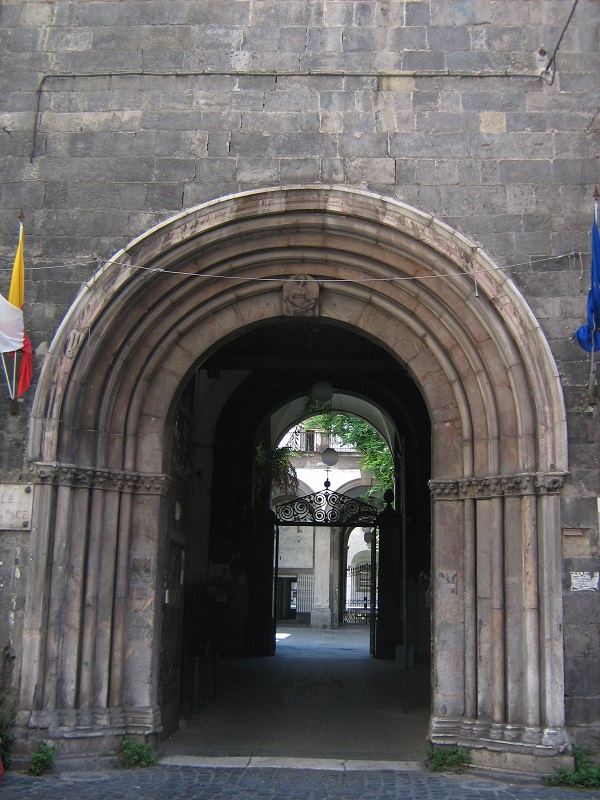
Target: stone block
{"points": [[364, 13], [444, 122], [260, 171], [381, 171], [359, 122], [293, 39], [407, 38], [249, 144], [339, 14], [302, 145], [525, 171], [20, 40], [219, 37], [331, 122], [472, 12], [492, 122], [423, 61], [363, 39], [287, 101], [219, 12], [448, 38], [216, 170], [332, 170], [321, 40], [371, 145], [519, 763], [299, 170], [164, 195], [260, 39], [335, 101]]}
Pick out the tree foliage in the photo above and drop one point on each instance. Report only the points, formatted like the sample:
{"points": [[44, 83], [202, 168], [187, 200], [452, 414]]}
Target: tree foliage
{"points": [[373, 449]]}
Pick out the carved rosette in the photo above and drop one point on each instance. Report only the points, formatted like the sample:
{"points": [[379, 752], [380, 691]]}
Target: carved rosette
{"points": [[518, 485], [498, 486], [152, 484], [444, 490]]}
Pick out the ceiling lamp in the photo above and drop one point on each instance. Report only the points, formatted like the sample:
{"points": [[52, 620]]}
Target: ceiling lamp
{"points": [[329, 457], [322, 391]]}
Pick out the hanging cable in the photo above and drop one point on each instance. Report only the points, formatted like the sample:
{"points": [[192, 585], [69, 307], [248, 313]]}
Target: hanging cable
{"points": [[552, 58]]}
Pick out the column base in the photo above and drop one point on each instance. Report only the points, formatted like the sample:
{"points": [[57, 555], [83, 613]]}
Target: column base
{"points": [[321, 618], [505, 748], [83, 734]]}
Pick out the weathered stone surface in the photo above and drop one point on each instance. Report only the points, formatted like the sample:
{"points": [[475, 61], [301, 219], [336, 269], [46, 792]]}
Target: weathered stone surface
{"points": [[508, 161]]}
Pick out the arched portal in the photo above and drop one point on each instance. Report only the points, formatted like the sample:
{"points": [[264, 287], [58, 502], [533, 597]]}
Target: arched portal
{"points": [[101, 443]]}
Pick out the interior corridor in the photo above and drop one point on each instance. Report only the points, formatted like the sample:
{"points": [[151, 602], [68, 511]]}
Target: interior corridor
{"points": [[321, 696]]}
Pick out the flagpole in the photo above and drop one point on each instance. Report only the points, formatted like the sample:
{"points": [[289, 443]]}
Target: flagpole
{"points": [[11, 391], [592, 379]]}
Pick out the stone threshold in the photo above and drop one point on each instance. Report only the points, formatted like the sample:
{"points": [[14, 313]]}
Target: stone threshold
{"points": [[271, 762]]}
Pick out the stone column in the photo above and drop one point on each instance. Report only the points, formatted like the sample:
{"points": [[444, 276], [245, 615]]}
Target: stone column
{"points": [[144, 601], [448, 624], [58, 581], [551, 607], [321, 616], [34, 629], [511, 527]]}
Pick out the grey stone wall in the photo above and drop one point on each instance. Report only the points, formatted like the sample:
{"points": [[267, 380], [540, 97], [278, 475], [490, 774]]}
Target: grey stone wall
{"points": [[115, 114]]}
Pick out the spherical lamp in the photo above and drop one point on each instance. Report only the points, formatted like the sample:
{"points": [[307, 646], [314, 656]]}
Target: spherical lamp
{"points": [[329, 457], [322, 391]]}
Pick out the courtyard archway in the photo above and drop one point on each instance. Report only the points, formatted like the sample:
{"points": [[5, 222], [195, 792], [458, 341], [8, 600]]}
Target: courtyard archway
{"points": [[102, 444]]}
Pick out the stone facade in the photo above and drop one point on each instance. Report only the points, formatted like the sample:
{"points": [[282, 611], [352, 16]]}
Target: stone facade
{"points": [[444, 138]]}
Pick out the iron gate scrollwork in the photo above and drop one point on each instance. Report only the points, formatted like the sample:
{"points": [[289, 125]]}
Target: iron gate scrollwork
{"points": [[327, 508]]}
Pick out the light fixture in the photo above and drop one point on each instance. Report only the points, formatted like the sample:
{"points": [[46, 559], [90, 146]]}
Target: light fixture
{"points": [[322, 391], [329, 457], [368, 535]]}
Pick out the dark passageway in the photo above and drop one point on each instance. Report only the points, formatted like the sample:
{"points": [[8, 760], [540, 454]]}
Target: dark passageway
{"points": [[321, 696]]}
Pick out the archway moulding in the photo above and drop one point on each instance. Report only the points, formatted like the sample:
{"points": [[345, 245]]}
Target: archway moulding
{"points": [[148, 301], [404, 279]]}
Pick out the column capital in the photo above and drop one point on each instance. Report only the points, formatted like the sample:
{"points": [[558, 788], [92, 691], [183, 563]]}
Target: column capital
{"points": [[518, 485], [57, 474]]}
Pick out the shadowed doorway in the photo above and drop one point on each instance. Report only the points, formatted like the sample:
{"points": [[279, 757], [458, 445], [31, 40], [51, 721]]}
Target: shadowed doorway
{"points": [[233, 678]]}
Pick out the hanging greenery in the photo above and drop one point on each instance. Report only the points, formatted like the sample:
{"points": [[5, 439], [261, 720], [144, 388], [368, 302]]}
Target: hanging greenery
{"points": [[275, 470], [375, 453]]}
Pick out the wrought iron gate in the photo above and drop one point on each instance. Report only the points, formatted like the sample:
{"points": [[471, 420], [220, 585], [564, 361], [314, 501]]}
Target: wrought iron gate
{"points": [[357, 608]]}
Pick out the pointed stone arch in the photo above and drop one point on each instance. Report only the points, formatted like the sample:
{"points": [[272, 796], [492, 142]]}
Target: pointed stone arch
{"points": [[99, 452]]}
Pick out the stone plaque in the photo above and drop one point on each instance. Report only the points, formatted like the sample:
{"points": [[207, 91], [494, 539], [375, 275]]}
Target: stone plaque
{"points": [[15, 506], [584, 581]]}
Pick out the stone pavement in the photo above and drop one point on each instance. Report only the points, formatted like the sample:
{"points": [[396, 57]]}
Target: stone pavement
{"points": [[257, 783], [319, 721]]}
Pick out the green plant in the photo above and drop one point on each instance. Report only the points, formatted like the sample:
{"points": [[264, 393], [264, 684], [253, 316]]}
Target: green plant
{"points": [[7, 737], [586, 774], [373, 449], [275, 470], [132, 754], [447, 759], [42, 760]]}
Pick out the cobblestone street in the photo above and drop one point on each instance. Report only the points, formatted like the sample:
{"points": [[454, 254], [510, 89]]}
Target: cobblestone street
{"points": [[189, 783]]}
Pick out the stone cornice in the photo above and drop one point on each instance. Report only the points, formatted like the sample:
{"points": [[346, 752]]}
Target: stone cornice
{"points": [[55, 474], [534, 483]]}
